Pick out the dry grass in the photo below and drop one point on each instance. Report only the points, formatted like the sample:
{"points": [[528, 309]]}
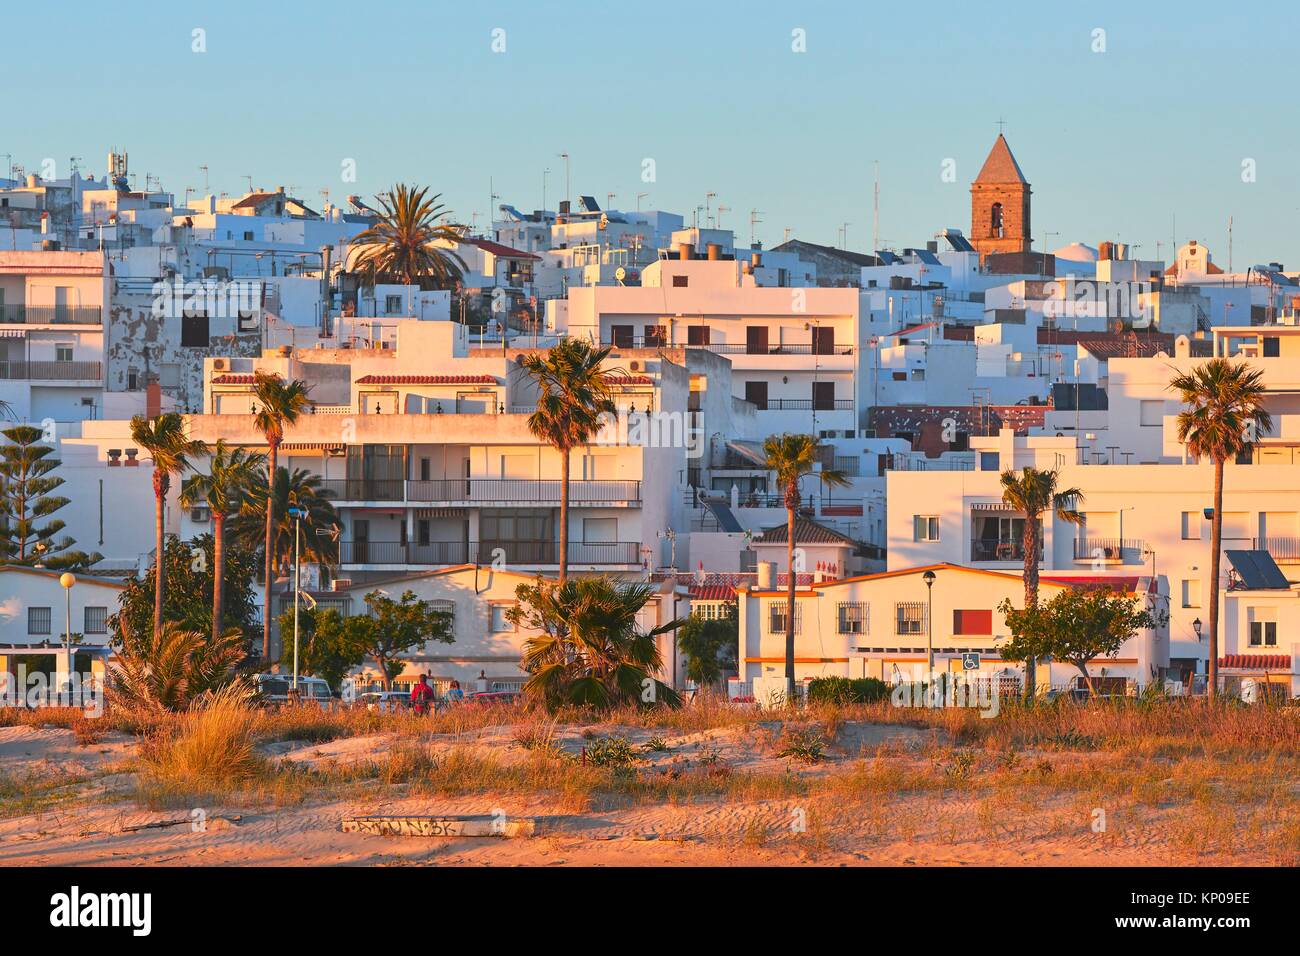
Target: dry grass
{"points": [[207, 754]]}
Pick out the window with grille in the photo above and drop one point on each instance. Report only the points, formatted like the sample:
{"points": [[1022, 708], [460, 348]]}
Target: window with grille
{"points": [[709, 610], [96, 620], [776, 617], [448, 608], [853, 617], [38, 620], [909, 617]]}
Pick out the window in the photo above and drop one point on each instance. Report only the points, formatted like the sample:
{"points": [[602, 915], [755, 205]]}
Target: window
{"points": [[756, 339], [823, 340], [995, 221], [656, 336], [776, 617], [853, 617], [1191, 592], [1272, 346], [823, 396], [1152, 412], [392, 304], [422, 531], [925, 528], [499, 620], [621, 336], [709, 610], [1192, 525], [448, 608], [756, 394], [38, 620], [918, 375], [681, 282], [63, 353], [909, 617], [194, 331], [974, 622], [697, 335], [96, 620], [248, 235], [1263, 633]]}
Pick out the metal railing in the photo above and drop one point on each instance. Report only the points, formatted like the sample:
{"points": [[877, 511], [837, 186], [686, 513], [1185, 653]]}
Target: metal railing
{"points": [[485, 491], [997, 551], [1114, 550], [1281, 548], [52, 371], [805, 405], [729, 348], [518, 553], [51, 315]]}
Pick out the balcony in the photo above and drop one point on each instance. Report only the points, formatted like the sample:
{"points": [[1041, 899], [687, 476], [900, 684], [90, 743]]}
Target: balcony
{"points": [[52, 371], [728, 348], [1108, 550], [989, 550], [1283, 550], [50, 315], [483, 491], [511, 553]]}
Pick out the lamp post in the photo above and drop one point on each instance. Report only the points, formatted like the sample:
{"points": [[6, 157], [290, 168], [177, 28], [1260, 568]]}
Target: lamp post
{"points": [[297, 514], [928, 578], [67, 579]]}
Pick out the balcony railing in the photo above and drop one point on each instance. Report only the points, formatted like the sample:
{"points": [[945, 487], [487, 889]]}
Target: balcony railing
{"points": [[517, 553], [1109, 550], [997, 550], [805, 405], [1282, 549], [50, 315], [484, 491], [52, 371], [729, 348]]}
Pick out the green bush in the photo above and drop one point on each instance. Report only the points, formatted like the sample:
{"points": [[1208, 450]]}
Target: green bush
{"points": [[843, 690]]}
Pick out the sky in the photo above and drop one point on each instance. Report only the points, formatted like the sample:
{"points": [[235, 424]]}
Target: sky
{"points": [[1155, 130]]}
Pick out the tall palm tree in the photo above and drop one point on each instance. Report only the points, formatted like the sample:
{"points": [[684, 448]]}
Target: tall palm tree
{"points": [[1031, 492], [793, 457], [277, 403], [165, 440], [1224, 414], [400, 245], [297, 489], [574, 395], [224, 489]]}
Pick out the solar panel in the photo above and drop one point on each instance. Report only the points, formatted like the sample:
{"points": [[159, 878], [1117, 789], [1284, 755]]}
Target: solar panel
{"points": [[887, 258], [926, 256], [1257, 570], [958, 242]]}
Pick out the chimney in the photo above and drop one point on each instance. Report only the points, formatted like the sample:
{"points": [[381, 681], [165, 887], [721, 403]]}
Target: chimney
{"points": [[766, 575], [756, 260], [152, 400], [683, 250], [714, 251]]}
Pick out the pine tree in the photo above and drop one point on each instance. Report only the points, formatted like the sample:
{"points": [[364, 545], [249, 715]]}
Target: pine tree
{"points": [[27, 532]]}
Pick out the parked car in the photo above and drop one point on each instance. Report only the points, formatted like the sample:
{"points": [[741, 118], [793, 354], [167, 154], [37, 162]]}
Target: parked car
{"points": [[384, 701], [274, 690]]}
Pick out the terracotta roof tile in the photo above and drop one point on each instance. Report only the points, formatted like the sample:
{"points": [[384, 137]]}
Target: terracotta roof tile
{"points": [[1000, 167], [1256, 662], [805, 532], [426, 380]]}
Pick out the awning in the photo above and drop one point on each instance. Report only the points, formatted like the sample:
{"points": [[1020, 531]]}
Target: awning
{"points": [[1256, 662]]}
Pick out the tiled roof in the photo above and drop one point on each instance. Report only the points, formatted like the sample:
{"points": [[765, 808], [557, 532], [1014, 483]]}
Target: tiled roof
{"points": [[631, 380], [238, 378], [253, 200], [1000, 167], [1256, 662], [426, 380], [1126, 584], [968, 418], [805, 532], [497, 249]]}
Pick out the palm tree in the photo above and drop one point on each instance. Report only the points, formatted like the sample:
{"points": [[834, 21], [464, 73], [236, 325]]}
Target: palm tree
{"points": [[793, 457], [297, 489], [1224, 414], [223, 489], [1031, 492], [590, 650], [400, 245], [574, 396], [170, 449], [172, 667], [277, 404]]}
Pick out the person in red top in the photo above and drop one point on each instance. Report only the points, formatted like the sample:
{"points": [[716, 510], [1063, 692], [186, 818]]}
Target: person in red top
{"points": [[422, 695]]}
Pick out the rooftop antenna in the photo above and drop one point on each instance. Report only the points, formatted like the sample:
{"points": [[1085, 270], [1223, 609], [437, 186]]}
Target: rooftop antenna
{"points": [[786, 231], [721, 210], [250, 182], [844, 235], [204, 171], [567, 197], [708, 215], [753, 221], [639, 197], [72, 164], [1230, 245], [875, 211], [609, 201]]}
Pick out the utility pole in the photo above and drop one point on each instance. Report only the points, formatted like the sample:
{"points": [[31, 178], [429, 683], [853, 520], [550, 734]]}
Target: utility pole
{"points": [[1230, 245]]}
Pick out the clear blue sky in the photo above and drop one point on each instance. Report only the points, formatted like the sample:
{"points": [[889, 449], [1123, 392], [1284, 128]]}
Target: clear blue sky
{"points": [[1116, 144]]}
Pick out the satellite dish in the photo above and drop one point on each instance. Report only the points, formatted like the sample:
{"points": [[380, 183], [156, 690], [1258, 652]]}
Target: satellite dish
{"points": [[620, 273]]}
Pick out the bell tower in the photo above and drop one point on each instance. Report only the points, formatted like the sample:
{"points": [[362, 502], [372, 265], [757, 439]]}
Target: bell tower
{"points": [[999, 204]]}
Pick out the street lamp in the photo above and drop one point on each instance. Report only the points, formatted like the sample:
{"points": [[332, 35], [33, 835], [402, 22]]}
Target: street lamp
{"points": [[928, 578], [297, 514], [1196, 626], [67, 579]]}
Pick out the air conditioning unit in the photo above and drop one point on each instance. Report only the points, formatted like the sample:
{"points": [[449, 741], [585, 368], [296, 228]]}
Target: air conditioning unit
{"points": [[219, 364], [634, 365], [341, 584]]}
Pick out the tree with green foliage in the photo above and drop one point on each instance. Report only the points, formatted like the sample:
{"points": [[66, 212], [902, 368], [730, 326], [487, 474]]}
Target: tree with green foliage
{"points": [[189, 566], [299, 488], [27, 532], [1078, 625], [589, 649], [402, 243], [170, 668], [394, 627], [709, 645], [329, 644]]}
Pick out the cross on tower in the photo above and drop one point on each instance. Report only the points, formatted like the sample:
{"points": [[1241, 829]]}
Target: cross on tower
{"points": [[1002, 124]]}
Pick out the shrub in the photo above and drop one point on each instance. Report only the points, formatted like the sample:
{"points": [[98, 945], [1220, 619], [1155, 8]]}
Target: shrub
{"points": [[843, 690], [616, 752], [808, 746], [209, 752]]}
